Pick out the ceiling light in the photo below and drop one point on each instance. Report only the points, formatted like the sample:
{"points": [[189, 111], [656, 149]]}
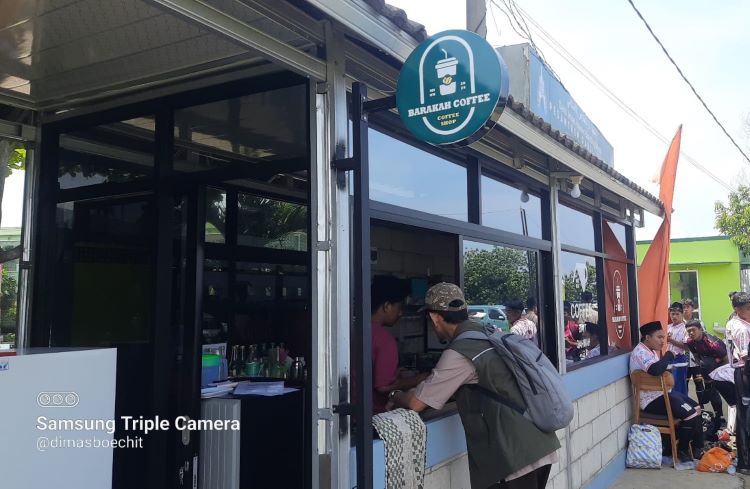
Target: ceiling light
{"points": [[524, 196], [575, 192]]}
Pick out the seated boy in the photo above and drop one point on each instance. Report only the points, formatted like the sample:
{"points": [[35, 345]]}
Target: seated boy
{"points": [[646, 358]]}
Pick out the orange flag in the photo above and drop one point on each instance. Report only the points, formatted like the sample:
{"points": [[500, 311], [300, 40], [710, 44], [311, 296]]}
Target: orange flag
{"points": [[653, 275]]}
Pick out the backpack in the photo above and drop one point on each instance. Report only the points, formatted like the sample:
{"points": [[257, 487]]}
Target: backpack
{"points": [[644, 447], [548, 405]]}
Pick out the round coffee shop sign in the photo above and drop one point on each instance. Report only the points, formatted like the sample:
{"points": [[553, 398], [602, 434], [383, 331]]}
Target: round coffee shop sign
{"points": [[449, 87]]}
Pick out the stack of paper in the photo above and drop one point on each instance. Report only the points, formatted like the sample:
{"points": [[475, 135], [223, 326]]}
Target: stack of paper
{"points": [[216, 391], [262, 389]]}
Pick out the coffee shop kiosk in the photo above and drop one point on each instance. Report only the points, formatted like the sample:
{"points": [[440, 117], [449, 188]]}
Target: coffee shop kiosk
{"points": [[235, 172]]}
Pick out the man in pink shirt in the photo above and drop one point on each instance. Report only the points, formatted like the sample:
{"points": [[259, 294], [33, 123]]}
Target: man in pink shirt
{"points": [[387, 299]]}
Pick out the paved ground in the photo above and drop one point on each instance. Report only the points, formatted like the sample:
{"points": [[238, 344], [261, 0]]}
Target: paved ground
{"points": [[667, 477]]}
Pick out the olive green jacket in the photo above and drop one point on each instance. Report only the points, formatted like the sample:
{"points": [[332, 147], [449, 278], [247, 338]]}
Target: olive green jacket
{"points": [[500, 440]]}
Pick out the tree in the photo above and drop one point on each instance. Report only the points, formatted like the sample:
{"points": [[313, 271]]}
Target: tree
{"points": [[497, 276], [274, 223], [733, 219], [8, 302], [573, 289]]}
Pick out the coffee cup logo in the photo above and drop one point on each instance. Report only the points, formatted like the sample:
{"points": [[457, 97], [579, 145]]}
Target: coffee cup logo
{"points": [[446, 71], [619, 307], [450, 86]]}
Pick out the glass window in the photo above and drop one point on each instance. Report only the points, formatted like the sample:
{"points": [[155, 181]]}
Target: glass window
{"points": [[8, 304], [510, 209], [10, 238], [576, 228], [495, 276], [216, 215], [269, 223], [616, 291], [496, 314], [618, 230], [105, 269], [216, 301], [580, 306], [110, 153], [403, 175], [268, 126], [684, 285]]}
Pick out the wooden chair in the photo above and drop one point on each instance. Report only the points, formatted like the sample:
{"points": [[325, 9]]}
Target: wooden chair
{"points": [[666, 424]]}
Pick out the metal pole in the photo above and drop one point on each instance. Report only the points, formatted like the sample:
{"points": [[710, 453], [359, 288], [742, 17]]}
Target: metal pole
{"points": [[361, 255], [556, 264], [476, 17]]}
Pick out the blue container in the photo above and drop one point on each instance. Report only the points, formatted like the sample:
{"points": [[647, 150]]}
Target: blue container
{"points": [[211, 369]]}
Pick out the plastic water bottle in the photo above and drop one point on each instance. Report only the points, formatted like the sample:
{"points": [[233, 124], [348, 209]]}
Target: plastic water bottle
{"points": [[731, 470]]}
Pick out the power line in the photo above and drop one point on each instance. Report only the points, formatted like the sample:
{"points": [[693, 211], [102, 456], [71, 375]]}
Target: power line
{"points": [[507, 9], [688, 81], [494, 20], [586, 73]]}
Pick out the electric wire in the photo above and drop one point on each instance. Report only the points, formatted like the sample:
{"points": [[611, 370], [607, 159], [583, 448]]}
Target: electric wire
{"points": [[525, 33], [586, 73], [488, 5], [695, 92]]}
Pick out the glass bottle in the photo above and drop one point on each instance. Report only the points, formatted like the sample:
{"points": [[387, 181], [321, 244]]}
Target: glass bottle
{"points": [[242, 360], [234, 362]]}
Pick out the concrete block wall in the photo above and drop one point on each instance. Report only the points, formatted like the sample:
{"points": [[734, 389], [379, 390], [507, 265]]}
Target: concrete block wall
{"points": [[596, 435], [452, 474]]}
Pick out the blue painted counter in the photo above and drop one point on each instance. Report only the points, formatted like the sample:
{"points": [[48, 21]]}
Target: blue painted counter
{"points": [[446, 440]]}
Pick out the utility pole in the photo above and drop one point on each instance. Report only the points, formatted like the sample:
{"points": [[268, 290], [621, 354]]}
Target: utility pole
{"points": [[476, 17]]}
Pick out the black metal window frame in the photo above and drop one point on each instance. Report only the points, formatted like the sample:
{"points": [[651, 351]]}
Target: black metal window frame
{"points": [[161, 189], [362, 115], [598, 219]]}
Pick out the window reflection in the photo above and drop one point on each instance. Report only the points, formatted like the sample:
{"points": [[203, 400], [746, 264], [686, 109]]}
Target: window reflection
{"points": [[580, 306], [269, 223], [405, 176], [216, 215], [109, 153], [503, 207], [576, 228], [496, 277], [618, 231], [241, 130]]}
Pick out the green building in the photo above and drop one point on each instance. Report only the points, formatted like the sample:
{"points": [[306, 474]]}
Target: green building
{"points": [[705, 269]]}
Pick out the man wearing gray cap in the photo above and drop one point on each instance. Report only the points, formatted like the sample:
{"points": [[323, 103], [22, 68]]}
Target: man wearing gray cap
{"points": [[506, 450]]}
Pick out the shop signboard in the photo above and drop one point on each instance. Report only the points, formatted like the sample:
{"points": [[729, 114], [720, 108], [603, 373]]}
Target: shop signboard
{"points": [[616, 290], [535, 86], [449, 88]]}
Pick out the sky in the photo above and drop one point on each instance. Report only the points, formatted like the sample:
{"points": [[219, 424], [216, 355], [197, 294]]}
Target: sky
{"points": [[708, 40]]}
